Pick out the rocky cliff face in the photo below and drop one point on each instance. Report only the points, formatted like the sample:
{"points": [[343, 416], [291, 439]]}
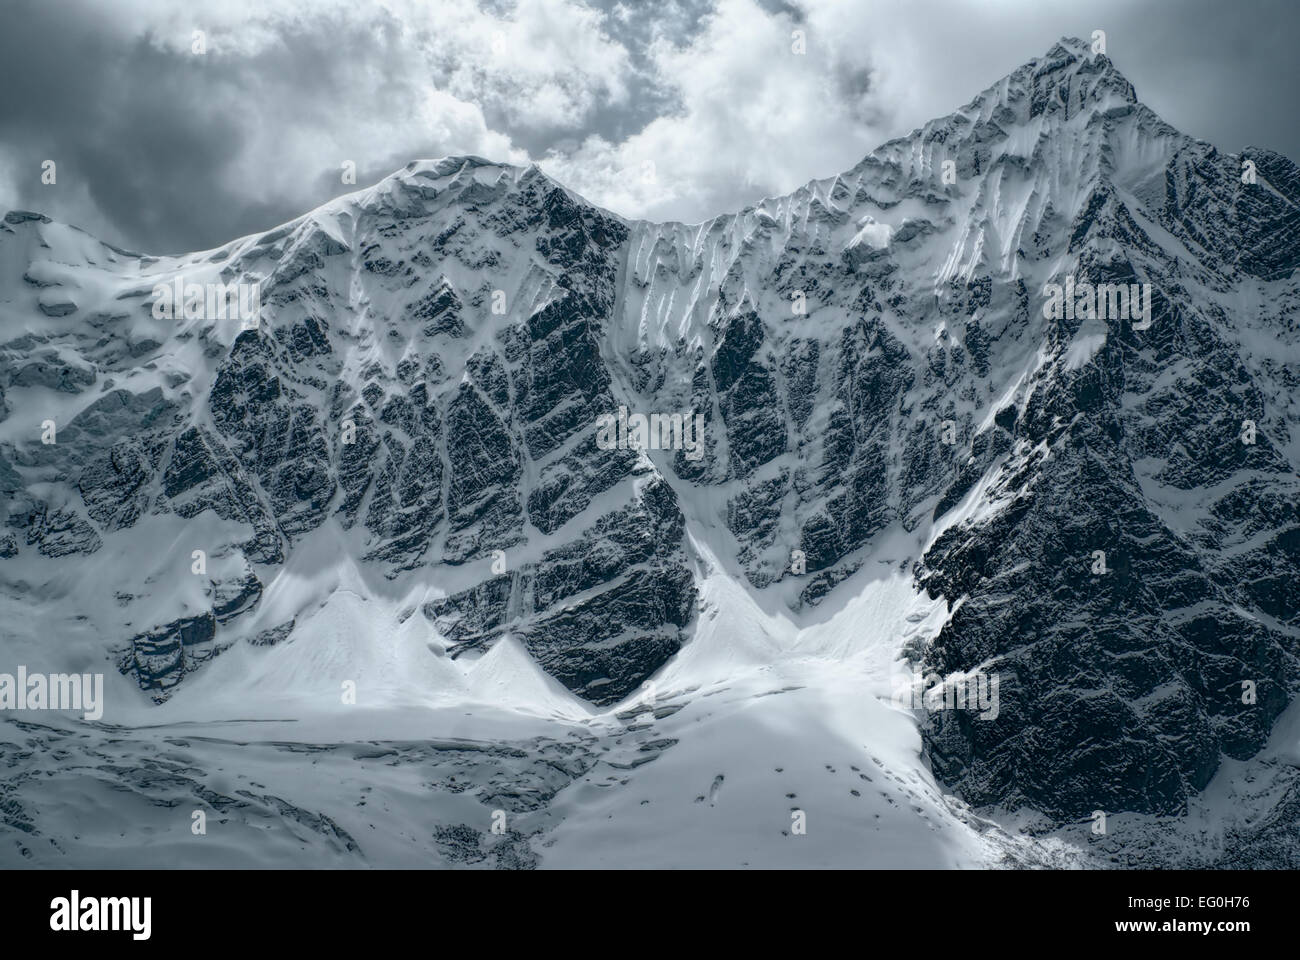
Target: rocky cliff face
{"points": [[1107, 502]]}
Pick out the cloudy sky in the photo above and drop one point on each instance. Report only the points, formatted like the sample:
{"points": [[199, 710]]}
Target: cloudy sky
{"points": [[671, 109]]}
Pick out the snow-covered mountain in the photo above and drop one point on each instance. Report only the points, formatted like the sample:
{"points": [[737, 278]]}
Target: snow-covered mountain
{"points": [[397, 484]]}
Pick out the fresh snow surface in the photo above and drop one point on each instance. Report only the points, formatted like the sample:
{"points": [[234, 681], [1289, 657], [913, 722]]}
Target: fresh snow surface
{"points": [[757, 718]]}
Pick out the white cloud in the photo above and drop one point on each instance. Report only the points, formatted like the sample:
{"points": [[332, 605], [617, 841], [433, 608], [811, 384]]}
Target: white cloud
{"points": [[757, 118], [547, 64], [375, 120], [423, 83], [543, 63]]}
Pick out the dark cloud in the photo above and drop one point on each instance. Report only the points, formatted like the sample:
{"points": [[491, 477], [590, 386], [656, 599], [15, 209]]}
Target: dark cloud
{"points": [[132, 125], [147, 140], [1223, 72]]}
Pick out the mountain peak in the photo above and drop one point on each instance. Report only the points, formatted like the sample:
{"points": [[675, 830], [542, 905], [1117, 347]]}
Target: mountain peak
{"points": [[1071, 46], [1071, 61], [1067, 80]]}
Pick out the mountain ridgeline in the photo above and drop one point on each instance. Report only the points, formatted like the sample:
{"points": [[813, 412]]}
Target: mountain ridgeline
{"points": [[1106, 500]]}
